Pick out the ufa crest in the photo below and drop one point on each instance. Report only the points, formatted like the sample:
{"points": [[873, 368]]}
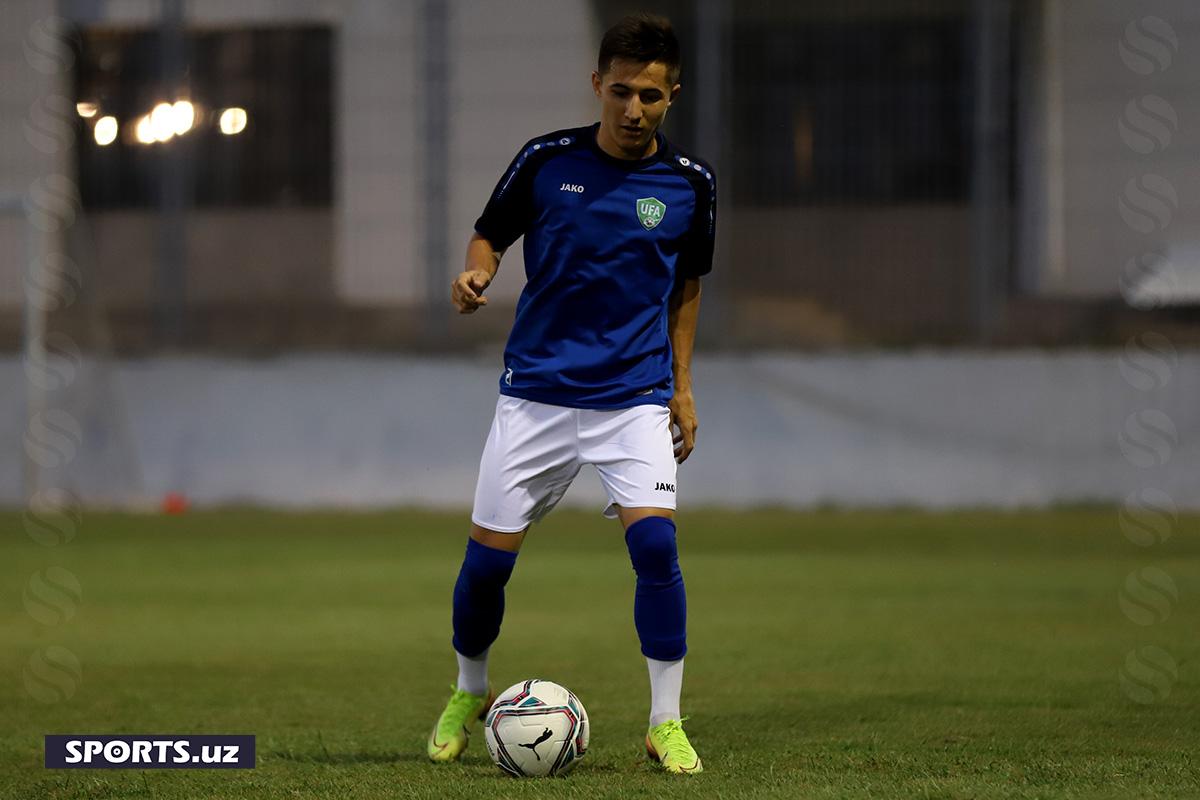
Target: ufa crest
{"points": [[650, 211]]}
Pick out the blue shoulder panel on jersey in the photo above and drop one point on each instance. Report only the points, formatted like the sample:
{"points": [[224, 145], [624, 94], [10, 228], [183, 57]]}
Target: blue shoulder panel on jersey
{"points": [[506, 216], [698, 259]]}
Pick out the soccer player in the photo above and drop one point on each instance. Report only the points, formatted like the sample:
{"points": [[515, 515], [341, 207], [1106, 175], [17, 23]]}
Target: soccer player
{"points": [[619, 226]]}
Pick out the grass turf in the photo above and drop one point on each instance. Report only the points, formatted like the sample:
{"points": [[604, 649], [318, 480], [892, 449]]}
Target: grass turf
{"points": [[833, 654]]}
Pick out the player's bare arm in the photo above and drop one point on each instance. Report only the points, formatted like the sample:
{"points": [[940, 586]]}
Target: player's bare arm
{"points": [[683, 312], [466, 292]]}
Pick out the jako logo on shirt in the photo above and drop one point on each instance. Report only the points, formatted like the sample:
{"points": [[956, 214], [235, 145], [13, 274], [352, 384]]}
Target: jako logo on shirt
{"points": [[664, 487], [650, 211], [577, 188]]}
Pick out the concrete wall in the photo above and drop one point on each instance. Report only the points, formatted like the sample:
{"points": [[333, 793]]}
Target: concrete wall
{"points": [[1093, 165], [276, 255], [845, 260], [931, 429], [521, 69], [376, 166]]}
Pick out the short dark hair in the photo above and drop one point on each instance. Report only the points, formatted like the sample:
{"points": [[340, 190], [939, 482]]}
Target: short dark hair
{"points": [[641, 38]]}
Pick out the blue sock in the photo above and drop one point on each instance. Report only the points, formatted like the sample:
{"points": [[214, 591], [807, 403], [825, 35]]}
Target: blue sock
{"points": [[659, 604], [479, 597]]}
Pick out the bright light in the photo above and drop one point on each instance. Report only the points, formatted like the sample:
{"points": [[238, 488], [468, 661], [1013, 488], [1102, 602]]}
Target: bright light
{"points": [[183, 115], [144, 131], [162, 122], [87, 110], [233, 120], [105, 131]]}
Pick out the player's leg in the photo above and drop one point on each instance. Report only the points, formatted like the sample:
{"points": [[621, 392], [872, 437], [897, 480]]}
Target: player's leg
{"points": [[635, 459], [479, 602], [659, 605], [525, 468], [660, 616], [478, 612]]}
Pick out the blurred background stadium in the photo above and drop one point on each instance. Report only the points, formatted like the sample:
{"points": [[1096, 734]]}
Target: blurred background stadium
{"points": [[957, 277], [958, 257]]}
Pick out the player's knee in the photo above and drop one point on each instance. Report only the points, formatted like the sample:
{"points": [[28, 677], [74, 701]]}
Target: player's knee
{"points": [[652, 549], [487, 566]]}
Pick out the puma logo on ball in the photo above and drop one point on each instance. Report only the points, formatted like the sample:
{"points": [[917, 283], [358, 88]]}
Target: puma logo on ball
{"points": [[546, 734]]}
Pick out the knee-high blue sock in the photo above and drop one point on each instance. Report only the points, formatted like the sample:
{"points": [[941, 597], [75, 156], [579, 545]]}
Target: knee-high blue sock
{"points": [[659, 604], [479, 597]]}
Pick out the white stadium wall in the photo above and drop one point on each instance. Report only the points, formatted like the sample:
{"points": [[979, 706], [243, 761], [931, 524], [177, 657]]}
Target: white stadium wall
{"points": [[936, 430]]}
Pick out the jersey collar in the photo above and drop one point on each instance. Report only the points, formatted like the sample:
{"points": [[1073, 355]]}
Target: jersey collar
{"points": [[625, 163]]}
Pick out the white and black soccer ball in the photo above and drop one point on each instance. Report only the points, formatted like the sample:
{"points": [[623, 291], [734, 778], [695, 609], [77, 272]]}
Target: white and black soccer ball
{"points": [[536, 728]]}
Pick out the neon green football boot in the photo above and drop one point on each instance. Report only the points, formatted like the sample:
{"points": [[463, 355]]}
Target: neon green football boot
{"points": [[449, 737], [669, 746]]}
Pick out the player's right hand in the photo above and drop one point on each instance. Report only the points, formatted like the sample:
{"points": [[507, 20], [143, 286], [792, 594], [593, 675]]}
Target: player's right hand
{"points": [[466, 292]]}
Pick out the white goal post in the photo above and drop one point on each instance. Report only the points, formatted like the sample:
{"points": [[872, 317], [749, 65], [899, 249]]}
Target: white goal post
{"points": [[95, 457], [33, 328]]}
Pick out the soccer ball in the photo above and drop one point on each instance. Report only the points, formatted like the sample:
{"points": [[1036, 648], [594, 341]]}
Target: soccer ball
{"points": [[536, 728]]}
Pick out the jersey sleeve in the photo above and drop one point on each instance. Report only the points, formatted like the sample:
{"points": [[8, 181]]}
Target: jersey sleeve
{"points": [[697, 255], [509, 211]]}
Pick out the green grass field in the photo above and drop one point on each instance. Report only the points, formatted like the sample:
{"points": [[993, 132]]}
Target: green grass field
{"points": [[833, 654]]}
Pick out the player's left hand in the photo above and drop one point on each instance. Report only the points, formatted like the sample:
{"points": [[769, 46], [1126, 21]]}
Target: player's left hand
{"points": [[683, 420]]}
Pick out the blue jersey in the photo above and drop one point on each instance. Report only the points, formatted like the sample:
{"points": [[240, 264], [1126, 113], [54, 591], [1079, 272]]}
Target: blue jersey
{"points": [[607, 241]]}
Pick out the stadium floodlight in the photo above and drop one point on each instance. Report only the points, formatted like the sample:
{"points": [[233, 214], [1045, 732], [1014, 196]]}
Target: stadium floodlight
{"points": [[233, 121], [183, 115], [106, 131], [165, 121], [162, 122], [87, 110], [143, 131]]}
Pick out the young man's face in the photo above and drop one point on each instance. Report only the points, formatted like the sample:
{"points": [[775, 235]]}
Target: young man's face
{"points": [[633, 102]]}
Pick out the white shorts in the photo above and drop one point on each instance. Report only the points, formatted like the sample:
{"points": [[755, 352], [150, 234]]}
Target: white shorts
{"points": [[535, 450]]}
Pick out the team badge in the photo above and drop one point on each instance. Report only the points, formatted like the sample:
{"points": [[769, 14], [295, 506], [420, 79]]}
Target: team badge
{"points": [[650, 211]]}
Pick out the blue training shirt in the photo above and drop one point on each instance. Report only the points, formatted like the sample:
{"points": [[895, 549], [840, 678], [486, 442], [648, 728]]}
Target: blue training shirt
{"points": [[607, 241]]}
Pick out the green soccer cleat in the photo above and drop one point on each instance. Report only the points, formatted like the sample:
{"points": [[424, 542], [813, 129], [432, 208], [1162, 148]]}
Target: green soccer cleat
{"points": [[669, 746], [450, 735]]}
